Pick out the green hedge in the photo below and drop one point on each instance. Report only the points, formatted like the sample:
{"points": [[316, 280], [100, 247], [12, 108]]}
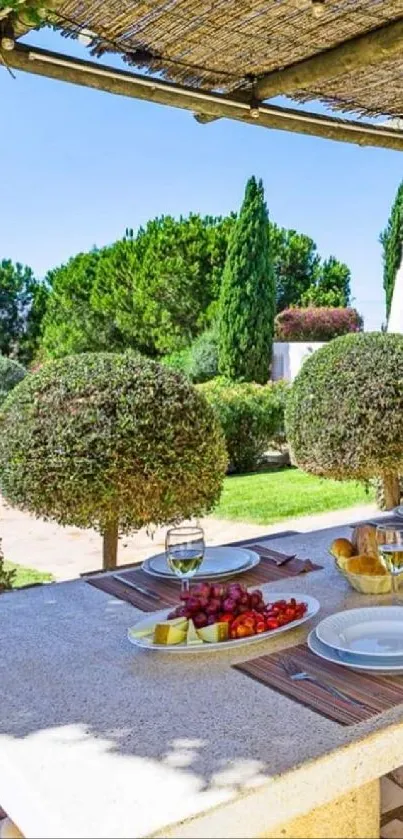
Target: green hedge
{"points": [[199, 362], [251, 416]]}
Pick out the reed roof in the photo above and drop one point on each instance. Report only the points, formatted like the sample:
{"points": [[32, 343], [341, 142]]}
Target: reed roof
{"points": [[230, 45]]}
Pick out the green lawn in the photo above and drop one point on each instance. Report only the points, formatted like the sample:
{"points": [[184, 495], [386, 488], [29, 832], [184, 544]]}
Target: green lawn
{"points": [[27, 576], [269, 497]]}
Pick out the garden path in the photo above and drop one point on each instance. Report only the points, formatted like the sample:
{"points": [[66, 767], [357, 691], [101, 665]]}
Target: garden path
{"points": [[67, 552]]}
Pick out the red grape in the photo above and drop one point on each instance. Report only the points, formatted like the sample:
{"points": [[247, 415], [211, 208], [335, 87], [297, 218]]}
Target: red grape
{"points": [[214, 606], [218, 590], [201, 589], [200, 619], [229, 604], [193, 604], [234, 592]]}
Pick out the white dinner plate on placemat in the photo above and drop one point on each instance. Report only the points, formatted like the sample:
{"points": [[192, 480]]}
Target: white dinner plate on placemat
{"points": [[367, 664], [376, 631], [147, 643], [217, 562]]}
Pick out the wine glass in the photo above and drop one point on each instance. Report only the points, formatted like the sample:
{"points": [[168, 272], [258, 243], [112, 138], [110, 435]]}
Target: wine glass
{"points": [[184, 547], [390, 546]]}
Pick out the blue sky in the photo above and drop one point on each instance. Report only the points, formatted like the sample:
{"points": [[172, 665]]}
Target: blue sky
{"points": [[79, 166]]}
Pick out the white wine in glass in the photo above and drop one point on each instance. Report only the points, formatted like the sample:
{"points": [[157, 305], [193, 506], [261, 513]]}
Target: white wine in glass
{"points": [[185, 548], [390, 546]]}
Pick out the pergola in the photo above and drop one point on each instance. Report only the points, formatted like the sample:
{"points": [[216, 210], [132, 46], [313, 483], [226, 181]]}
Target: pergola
{"points": [[226, 58]]}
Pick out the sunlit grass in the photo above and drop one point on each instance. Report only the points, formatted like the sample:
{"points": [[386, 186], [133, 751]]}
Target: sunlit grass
{"points": [[269, 497], [27, 576]]}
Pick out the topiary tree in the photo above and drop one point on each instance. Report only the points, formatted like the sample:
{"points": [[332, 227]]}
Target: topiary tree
{"points": [[115, 442], [344, 412], [11, 372], [247, 299]]}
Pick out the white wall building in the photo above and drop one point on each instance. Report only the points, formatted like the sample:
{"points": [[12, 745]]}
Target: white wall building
{"points": [[395, 323], [289, 356]]}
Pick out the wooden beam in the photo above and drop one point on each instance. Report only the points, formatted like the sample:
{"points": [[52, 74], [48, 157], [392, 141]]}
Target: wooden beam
{"points": [[123, 83], [374, 47]]}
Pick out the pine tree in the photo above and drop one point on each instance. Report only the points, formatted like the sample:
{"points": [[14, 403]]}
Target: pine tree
{"points": [[392, 240], [247, 299]]}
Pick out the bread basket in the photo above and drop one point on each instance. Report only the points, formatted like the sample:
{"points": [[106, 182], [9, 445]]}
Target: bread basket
{"points": [[365, 583]]}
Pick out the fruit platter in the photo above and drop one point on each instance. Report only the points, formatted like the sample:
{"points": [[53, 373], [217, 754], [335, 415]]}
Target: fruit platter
{"points": [[213, 617]]}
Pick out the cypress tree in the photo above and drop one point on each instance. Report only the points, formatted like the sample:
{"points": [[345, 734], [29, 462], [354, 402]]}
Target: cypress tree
{"points": [[247, 299], [392, 240]]}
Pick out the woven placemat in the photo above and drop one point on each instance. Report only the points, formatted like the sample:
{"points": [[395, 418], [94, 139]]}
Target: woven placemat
{"points": [[373, 693], [168, 590]]}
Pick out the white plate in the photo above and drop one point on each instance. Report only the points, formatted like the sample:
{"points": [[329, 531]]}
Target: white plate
{"points": [[370, 631], [217, 563], [368, 665], [147, 642]]}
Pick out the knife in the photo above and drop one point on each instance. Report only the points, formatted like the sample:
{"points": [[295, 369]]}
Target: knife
{"points": [[141, 589]]}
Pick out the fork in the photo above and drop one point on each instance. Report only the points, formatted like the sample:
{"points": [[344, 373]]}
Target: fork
{"points": [[297, 675]]}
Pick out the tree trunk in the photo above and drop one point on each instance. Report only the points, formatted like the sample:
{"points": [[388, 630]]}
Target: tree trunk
{"points": [[110, 546], [391, 489]]}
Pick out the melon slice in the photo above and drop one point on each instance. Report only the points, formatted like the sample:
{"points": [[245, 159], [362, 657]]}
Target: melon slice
{"points": [[166, 633], [147, 626], [192, 638], [214, 633]]}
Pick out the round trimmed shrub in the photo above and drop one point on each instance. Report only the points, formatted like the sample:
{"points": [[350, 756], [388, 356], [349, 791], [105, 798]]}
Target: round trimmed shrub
{"points": [[251, 417], [110, 441], [344, 413], [11, 372]]}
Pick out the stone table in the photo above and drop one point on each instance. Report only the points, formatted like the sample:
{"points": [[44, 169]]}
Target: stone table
{"points": [[99, 739]]}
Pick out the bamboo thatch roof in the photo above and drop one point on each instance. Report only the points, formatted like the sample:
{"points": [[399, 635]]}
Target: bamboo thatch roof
{"points": [[227, 58], [226, 45]]}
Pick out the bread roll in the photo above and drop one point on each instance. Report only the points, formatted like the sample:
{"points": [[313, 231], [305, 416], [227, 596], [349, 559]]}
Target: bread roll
{"points": [[342, 549], [364, 564], [364, 537]]}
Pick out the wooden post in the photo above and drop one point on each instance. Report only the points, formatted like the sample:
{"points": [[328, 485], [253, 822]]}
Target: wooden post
{"points": [[110, 546], [391, 488]]}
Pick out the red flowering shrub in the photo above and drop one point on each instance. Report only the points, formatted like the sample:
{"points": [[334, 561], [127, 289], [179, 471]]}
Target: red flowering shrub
{"points": [[316, 324]]}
